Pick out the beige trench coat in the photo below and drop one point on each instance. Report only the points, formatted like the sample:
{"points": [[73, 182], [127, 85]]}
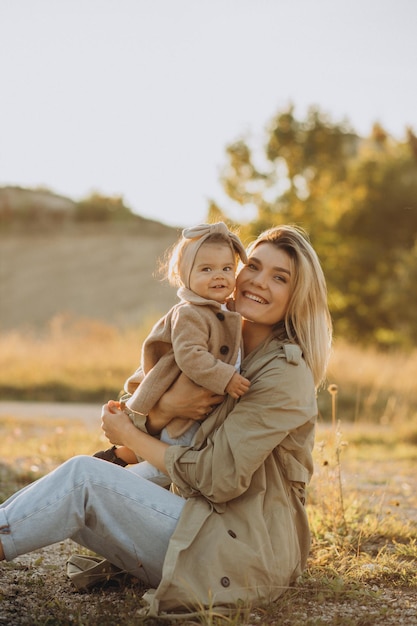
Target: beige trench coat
{"points": [[243, 534]]}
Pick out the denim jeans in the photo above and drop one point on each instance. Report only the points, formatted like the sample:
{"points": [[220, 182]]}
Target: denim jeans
{"points": [[102, 506], [150, 472]]}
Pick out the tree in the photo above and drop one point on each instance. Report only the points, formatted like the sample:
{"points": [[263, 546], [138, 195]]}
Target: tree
{"points": [[357, 199], [379, 232]]}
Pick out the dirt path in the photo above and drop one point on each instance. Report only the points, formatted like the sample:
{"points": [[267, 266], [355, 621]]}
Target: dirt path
{"points": [[31, 410]]}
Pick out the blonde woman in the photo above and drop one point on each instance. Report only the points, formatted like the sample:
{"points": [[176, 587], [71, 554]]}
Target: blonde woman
{"points": [[236, 529]]}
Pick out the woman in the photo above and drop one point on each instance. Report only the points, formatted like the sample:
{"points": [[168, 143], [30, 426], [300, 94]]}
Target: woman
{"points": [[236, 528]]}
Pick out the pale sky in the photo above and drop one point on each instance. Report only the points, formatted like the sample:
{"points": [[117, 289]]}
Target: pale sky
{"points": [[139, 98]]}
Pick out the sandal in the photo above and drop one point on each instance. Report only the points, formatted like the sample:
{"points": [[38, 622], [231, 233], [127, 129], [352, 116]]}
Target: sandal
{"points": [[87, 571]]}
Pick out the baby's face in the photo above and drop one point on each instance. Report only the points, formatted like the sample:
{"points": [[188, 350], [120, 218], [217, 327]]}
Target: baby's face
{"points": [[213, 273]]}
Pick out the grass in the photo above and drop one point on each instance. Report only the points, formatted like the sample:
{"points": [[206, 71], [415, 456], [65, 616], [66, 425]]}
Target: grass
{"points": [[361, 502], [33, 448], [373, 386], [73, 360], [84, 360], [364, 535]]}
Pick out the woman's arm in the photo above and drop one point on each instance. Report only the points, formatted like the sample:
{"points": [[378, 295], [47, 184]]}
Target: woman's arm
{"points": [[184, 399], [120, 430]]}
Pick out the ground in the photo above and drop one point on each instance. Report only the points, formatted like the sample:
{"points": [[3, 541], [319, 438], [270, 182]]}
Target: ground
{"points": [[34, 589]]}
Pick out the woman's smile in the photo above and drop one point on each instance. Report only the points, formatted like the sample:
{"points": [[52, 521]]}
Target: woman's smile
{"points": [[254, 297]]}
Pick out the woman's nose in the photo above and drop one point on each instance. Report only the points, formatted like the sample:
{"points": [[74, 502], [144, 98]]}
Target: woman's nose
{"points": [[259, 280]]}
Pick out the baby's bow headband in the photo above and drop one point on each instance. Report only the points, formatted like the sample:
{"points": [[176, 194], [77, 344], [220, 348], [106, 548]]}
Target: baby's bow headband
{"points": [[201, 233]]}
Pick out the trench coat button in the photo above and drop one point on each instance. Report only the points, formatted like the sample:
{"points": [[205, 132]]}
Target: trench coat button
{"points": [[232, 533], [220, 316], [225, 581], [224, 349]]}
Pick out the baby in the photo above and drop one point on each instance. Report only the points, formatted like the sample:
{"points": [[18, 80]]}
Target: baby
{"points": [[199, 336]]}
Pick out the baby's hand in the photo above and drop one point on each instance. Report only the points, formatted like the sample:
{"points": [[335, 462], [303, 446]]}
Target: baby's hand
{"points": [[237, 386], [113, 406]]}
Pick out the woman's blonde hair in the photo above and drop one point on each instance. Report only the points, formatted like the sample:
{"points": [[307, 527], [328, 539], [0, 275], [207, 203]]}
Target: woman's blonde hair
{"points": [[307, 320]]}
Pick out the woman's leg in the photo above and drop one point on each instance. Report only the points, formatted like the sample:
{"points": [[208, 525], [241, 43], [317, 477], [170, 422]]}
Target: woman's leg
{"points": [[101, 506]]}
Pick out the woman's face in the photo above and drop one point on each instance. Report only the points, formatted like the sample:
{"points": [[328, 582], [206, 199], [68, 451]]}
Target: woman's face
{"points": [[263, 286]]}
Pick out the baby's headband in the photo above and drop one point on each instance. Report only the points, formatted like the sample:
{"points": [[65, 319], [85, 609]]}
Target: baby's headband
{"points": [[201, 233]]}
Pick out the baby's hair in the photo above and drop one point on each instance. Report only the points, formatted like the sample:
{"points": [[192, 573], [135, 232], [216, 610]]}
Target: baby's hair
{"points": [[169, 264]]}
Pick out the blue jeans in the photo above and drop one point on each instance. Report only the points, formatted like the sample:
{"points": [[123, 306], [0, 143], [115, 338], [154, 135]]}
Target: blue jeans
{"points": [[102, 506], [148, 471]]}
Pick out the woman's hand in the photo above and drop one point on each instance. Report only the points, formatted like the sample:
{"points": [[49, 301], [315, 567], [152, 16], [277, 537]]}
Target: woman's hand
{"points": [[121, 431], [183, 399], [115, 424]]}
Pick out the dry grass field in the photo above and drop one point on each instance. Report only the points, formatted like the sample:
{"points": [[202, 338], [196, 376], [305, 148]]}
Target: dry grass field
{"points": [[362, 501]]}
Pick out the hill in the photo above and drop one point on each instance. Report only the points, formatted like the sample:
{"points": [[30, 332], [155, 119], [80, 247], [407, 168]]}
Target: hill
{"points": [[50, 263]]}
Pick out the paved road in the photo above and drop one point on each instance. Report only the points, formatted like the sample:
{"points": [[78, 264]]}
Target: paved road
{"points": [[90, 413]]}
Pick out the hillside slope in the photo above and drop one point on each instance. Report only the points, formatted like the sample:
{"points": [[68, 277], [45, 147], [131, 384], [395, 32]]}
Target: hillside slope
{"points": [[100, 271]]}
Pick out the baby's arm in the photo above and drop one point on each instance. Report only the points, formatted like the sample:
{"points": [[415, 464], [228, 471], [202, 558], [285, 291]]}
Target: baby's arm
{"points": [[237, 386]]}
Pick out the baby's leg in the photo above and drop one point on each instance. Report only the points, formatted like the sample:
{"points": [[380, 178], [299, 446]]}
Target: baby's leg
{"points": [[186, 439], [146, 470]]}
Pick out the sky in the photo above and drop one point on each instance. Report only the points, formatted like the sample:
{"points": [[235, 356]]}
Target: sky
{"points": [[139, 98]]}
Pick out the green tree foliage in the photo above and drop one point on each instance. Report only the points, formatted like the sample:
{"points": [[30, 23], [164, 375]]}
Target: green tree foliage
{"points": [[357, 199]]}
